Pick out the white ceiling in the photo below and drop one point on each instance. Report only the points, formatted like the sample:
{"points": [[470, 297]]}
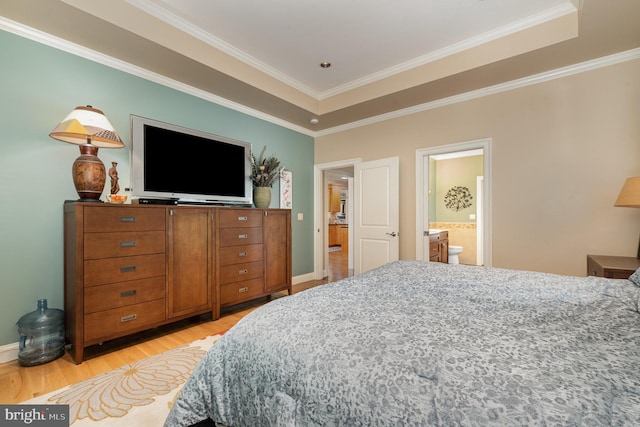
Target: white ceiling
{"points": [[362, 39], [262, 57]]}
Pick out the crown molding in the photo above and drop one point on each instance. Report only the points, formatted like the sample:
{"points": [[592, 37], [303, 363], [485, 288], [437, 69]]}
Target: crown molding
{"points": [[78, 50], [581, 67], [153, 9], [75, 49], [489, 36]]}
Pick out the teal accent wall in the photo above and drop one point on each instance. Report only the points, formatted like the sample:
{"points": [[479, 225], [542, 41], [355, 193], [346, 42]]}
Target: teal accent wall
{"points": [[39, 86]]}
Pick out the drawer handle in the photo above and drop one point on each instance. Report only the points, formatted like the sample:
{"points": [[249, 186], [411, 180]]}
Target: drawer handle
{"points": [[127, 268], [241, 290], [242, 218], [128, 219], [127, 244], [128, 318], [243, 236], [242, 254], [245, 271], [128, 293]]}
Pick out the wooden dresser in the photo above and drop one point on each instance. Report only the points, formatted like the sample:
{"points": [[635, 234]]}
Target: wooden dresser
{"points": [[134, 267], [241, 260]]}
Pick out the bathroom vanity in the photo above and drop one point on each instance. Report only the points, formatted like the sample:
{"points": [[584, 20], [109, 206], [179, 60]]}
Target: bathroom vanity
{"points": [[439, 246]]}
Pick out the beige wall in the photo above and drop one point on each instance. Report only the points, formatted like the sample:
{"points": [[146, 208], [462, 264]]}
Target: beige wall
{"points": [[561, 151]]}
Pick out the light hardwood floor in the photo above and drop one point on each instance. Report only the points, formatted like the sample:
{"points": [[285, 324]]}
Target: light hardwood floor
{"points": [[18, 383], [338, 266]]}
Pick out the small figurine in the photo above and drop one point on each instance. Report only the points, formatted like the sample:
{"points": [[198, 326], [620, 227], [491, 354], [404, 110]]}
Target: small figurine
{"points": [[113, 174]]}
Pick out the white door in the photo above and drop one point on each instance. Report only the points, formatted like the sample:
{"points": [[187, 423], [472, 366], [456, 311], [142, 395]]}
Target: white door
{"points": [[376, 213]]}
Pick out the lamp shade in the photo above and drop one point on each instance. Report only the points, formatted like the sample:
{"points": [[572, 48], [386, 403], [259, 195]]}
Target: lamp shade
{"points": [[89, 128], [87, 125], [630, 194]]}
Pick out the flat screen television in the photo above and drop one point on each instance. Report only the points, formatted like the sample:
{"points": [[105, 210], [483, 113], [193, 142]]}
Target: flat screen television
{"points": [[170, 162]]}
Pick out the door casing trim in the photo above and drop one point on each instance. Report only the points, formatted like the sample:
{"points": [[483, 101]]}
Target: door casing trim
{"points": [[320, 225], [422, 174]]}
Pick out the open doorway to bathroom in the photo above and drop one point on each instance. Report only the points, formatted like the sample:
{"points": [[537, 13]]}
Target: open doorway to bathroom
{"points": [[453, 193]]}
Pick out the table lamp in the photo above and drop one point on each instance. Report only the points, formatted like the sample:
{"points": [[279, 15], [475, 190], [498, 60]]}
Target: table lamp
{"points": [[629, 196], [89, 128]]}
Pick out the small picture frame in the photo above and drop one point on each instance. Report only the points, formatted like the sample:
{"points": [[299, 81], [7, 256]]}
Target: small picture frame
{"points": [[286, 189]]}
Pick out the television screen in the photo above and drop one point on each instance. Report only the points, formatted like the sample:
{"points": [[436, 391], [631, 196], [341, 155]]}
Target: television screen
{"points": [[192, 166]]}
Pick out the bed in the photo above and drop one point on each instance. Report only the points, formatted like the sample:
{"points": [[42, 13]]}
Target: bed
{"points": [[419, 344]]}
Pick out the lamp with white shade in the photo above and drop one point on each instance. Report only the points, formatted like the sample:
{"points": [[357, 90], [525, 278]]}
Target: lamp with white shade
{"points": [[89, 128]]}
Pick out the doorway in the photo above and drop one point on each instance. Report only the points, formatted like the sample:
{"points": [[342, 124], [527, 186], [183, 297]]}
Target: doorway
{"points": [[478, 222], [339, 185], [337, 263], [374, 214]]}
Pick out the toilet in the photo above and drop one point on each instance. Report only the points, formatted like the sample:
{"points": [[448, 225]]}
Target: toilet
{"points": [[454, 251]]}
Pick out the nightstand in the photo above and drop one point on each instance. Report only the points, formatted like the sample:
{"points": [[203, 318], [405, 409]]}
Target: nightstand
{"points": [[615, 267]]}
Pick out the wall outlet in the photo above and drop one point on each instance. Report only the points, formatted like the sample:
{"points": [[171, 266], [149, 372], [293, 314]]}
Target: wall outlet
{"points": [[300, 216]]}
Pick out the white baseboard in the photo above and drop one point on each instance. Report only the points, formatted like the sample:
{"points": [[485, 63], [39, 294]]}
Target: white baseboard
{"points": [[9, 352], [296, 280]]}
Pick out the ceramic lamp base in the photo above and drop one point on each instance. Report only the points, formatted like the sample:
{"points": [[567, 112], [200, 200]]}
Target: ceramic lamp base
{"points": [[89, 174]]}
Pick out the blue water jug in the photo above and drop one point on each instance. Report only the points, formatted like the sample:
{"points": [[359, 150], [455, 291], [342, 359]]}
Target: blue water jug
{"points": [[41, 335]]}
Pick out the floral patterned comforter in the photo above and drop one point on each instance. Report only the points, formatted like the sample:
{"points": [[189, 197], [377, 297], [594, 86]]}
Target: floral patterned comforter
{"points": [[428, 344]]}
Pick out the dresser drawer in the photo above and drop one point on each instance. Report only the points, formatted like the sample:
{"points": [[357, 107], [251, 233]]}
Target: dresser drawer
{"points": [[239, 272], [104, 325], [105, 297], [239, 218], [240, 254], [103, 219], [241, 291], [240, 236], [126, 243], [113, 270]]}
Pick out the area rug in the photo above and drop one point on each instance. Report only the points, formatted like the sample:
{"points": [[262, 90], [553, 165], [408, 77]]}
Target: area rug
{"points": [[138, 394]]}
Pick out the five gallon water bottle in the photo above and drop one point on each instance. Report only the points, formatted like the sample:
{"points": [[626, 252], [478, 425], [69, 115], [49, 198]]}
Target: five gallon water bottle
{"points": [[41, 335]]}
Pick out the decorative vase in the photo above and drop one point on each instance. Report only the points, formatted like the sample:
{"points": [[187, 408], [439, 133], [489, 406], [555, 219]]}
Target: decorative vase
{"points": [[261, 197]]}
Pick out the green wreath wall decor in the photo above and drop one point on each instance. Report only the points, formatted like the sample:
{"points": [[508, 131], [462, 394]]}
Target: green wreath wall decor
{"points": [[458, 198]]}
